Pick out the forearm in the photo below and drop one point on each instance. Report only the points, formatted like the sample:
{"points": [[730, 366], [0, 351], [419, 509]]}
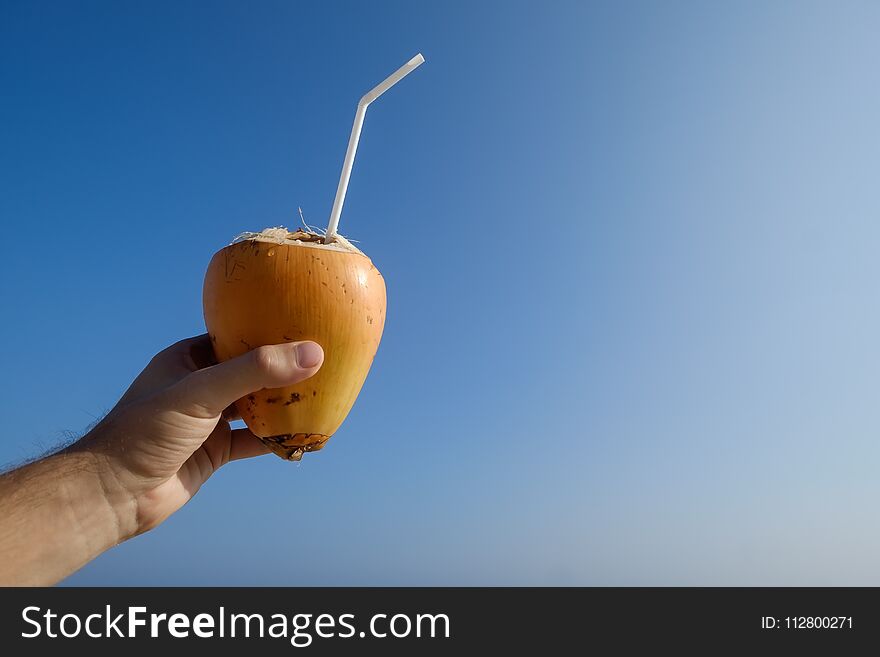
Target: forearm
{"points": [[56, 515]]}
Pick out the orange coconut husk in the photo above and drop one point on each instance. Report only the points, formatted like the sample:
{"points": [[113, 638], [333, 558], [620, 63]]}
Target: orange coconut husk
{"points": [[280, 286]]}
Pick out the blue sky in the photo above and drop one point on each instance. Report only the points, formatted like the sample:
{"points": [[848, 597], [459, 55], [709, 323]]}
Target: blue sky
{"points": [[630, 251]]}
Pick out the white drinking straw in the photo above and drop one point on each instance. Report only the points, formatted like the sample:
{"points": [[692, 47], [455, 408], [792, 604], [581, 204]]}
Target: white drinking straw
{"points": [[368, 98]]}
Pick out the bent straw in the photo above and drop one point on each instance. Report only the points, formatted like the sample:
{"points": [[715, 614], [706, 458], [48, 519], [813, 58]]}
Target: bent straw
{"points": [[368, 98]]}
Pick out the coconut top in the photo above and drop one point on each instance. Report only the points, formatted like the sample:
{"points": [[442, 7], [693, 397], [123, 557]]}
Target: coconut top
{"points": [[300, 237]]}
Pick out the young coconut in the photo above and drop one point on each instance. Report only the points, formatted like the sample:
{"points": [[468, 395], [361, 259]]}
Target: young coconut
{"points": [[280, 286]]}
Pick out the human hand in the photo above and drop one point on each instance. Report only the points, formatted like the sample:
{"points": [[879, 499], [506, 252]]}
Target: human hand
{"points": [[142, 462], [170, 431]]}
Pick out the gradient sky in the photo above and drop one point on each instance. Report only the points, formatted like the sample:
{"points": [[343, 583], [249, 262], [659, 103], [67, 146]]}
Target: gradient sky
{"points": [[631, 257]]}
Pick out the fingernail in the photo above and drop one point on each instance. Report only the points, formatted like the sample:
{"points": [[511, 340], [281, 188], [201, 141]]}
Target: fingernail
{"points": [[308, 354]]}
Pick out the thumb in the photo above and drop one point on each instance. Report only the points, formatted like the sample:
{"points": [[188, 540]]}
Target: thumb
{"points": [[208, 391]]}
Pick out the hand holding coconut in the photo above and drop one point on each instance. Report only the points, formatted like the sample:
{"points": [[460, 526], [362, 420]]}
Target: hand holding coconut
{"points": [[170, 431], [166, 436]]}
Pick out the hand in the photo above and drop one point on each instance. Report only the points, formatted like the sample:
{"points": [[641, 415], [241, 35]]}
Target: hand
{"points": [[167, 435], [170, 431]]}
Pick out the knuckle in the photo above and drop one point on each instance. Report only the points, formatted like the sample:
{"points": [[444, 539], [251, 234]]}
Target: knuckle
{"points": [[264, 359], [188, 396], [172, 351], [161, 357]]}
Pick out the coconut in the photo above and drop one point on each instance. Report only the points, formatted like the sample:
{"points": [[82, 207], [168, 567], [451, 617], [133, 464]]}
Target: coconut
{"points": [[279, 286], [285, 286]]}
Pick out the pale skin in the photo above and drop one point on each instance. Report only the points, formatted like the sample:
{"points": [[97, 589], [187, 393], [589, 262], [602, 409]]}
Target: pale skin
{"points": [[167, 435]]}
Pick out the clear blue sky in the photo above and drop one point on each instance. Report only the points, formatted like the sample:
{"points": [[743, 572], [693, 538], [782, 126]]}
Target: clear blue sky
{"points": [[631, 256]]}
